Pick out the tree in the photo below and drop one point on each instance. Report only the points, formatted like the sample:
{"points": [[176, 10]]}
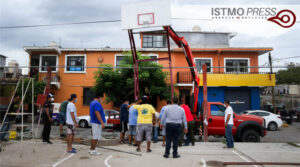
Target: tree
{"points": [[289, 76], [118, 84]]}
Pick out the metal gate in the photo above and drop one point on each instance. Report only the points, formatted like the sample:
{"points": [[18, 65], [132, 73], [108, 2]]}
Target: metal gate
{"points": [[239, 99]]}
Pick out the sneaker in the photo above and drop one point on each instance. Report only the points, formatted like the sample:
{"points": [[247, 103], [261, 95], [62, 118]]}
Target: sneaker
{"points": [[166, 156], [44, 141], [138, 150], [94, 152], [72, 151], [49, 142]]}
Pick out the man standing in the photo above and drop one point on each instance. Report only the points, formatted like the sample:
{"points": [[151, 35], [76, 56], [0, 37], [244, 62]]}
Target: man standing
{"points": [[97, 122], [14, 108], [124, 113], [191, 125], [162, 111], [71, 122], [133, 114], [174, 116], [144, 123], [228, 124], [62, 117], [47, 119]]}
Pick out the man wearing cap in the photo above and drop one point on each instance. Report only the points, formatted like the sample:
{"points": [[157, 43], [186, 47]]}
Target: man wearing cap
{"points": [[144, 123], [47, 119], [71, 122]]}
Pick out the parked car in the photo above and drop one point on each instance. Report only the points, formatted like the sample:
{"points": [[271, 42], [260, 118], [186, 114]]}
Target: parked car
{"points": [[273, 121], [297, 113], [286, 115], [84, 121]]}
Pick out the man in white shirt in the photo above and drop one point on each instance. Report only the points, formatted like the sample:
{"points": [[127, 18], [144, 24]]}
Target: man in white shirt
{"points": [[228, 124], [71, 122]]}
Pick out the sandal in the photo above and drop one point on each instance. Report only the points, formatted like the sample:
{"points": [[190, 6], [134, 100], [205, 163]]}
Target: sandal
{"points": [[138, 150], [149, 150]]}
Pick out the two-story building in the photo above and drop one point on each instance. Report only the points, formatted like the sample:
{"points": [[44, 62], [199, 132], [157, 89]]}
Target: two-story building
{"points": [[228, 74]]}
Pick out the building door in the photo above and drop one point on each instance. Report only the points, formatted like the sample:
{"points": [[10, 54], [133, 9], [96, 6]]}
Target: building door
{"points": [[184, 94], [239, 99]]}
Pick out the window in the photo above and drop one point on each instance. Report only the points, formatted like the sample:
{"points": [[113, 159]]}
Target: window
{"points": [[88, 96], [217, 110], [254, 113], [147, 41], [236, 65], [120, 58], [263, 114], [75, 63], [48, 60], [154, 41], [201, 61]]}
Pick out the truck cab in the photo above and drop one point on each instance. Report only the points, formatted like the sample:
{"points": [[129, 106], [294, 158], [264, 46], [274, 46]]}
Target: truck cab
{"points": [[248, 128]]}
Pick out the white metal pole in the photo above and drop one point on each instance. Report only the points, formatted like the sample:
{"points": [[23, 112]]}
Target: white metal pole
{"points": [[32, 105]]}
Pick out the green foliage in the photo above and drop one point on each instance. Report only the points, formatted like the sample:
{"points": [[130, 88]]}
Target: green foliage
{"points": [[289, 76], [118, 84], [38, 89]]}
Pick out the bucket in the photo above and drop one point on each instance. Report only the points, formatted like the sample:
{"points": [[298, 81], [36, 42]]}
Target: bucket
{"points": [[12, 134]]}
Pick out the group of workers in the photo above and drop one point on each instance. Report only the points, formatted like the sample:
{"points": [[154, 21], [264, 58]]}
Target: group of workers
{"points": [[175, 119]]}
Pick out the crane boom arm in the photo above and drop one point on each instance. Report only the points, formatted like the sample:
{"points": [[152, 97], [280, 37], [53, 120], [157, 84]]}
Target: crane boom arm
{"points": [[181, 42]]}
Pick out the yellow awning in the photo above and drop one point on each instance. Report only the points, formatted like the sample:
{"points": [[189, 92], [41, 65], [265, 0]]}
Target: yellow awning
{"points": [[239, 79]]}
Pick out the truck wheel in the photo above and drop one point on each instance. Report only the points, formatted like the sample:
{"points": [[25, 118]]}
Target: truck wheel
{"points": [[83, 124], [272, 126], [250, 136]]}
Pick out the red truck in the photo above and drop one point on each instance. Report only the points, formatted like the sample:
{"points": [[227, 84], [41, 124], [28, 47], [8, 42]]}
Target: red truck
{"points": [[247, 128]]}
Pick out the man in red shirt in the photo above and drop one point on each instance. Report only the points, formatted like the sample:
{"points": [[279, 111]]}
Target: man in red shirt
{"points": [[191, 125]]}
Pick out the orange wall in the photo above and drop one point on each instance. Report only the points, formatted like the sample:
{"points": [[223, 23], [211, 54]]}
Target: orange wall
{"points": [[75, 82]]}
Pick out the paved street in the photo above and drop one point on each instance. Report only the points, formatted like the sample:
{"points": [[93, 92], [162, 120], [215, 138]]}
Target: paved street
{"points": [[34, 153]]}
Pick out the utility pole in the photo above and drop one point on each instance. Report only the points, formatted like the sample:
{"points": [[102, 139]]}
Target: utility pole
{"points": [[205, 123], [273, 87]]}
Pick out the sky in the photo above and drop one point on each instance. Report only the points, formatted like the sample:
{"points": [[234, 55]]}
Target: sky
{"points": [[33, 12]]}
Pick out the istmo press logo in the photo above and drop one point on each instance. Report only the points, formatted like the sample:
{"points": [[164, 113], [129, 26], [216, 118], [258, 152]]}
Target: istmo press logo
{"points": [[285, 18]]}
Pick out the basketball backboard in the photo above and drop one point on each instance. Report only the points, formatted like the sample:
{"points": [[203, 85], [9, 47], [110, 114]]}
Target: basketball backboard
{"points": [[146, 14]]}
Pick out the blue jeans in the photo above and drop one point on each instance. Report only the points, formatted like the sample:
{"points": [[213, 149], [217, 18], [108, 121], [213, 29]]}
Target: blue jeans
{"points": [[155, 134], [5, 128], [229, 137]]}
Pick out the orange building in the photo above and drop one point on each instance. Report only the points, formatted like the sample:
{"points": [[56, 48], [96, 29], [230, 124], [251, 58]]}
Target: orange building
{"points": [[211, 48]]}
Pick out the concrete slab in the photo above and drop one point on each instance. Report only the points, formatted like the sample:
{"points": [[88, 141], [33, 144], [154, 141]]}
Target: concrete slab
{"points": [[123, 155]]}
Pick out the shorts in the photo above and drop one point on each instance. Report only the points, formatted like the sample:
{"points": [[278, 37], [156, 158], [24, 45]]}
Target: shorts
{"points": [[132, 130], [62, 118], [163, 131], [141, 129], [71, 130], [124, 127], [96, 131]]}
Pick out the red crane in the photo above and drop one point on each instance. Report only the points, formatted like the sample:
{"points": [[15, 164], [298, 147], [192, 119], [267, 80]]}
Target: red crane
{"points": [[182, 43]]}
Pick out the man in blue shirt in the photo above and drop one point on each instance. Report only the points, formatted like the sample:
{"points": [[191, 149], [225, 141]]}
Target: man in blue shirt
{"points": [[164, 123], [133, 114], [124, 113], [97, 122]]}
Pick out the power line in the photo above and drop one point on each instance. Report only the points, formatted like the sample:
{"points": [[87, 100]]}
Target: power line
{"points": [[101, 21], [59, 24]]}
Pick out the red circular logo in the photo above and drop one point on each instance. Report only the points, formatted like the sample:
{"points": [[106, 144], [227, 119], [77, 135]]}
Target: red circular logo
{"points": [[285, 18]]}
